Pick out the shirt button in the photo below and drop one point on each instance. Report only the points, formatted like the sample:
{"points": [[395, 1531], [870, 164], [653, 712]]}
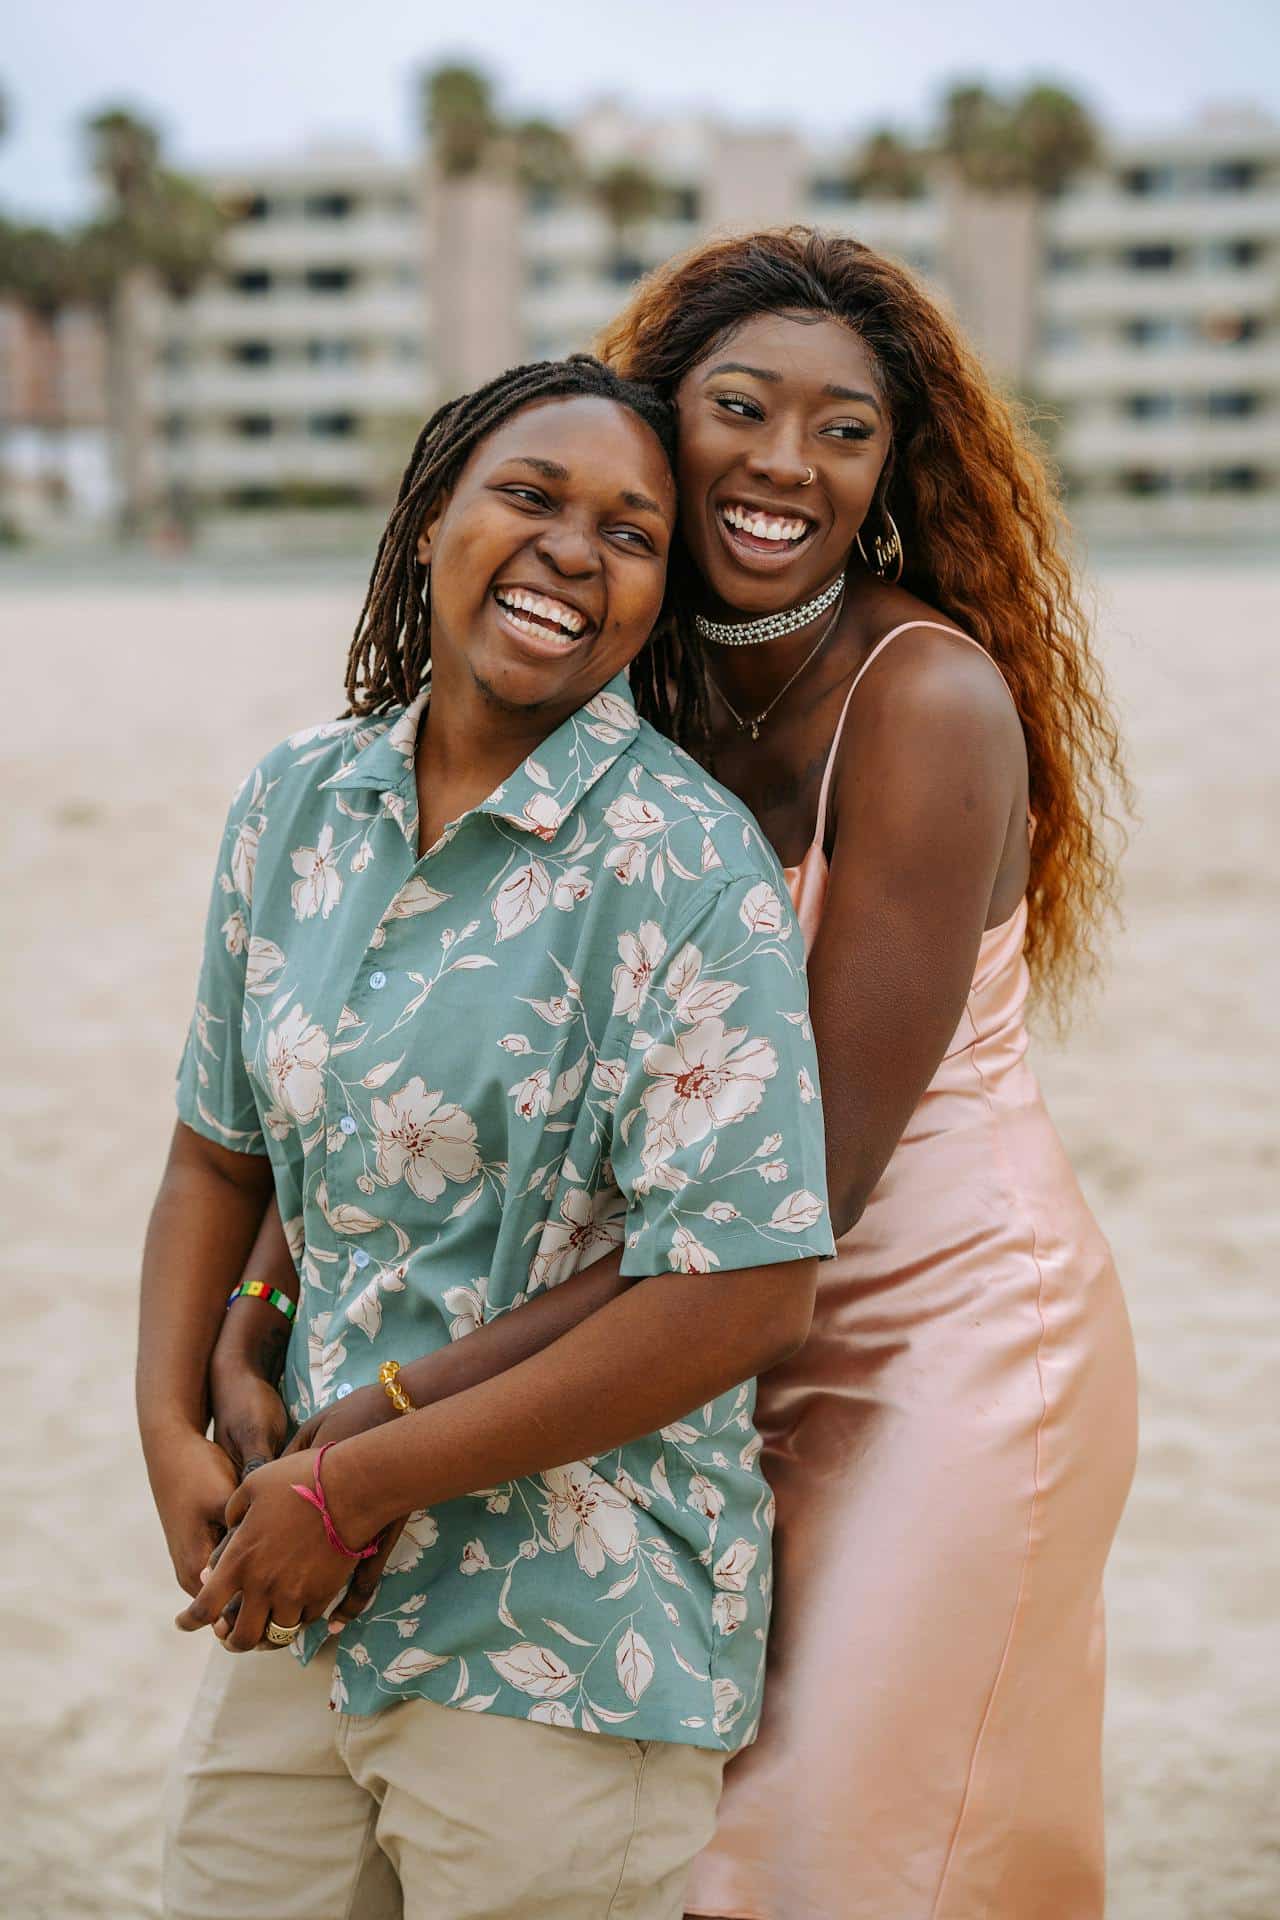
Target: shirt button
{"points": [[360, 1258], [346, 1124], [342, 1392], [377, 979]]}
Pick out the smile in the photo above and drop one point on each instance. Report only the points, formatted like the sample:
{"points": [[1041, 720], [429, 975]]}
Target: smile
{"points": [[762, 526], [760, 541], [541, 616]]}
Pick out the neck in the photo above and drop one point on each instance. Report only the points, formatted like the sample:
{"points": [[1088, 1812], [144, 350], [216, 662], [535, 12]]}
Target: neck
{"points": [[471, 738]]}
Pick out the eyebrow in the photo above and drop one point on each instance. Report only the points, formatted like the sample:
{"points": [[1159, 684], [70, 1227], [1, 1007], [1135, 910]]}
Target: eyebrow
{"points": [[552, 470], [829, 392], [549, 469]]}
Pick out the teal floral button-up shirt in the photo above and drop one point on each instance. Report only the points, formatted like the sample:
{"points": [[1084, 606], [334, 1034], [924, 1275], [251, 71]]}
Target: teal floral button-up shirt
{"points": [[578, 1022]]}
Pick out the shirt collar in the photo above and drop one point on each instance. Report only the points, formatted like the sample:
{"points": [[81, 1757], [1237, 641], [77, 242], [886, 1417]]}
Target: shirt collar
{"points": [[545, 788]]}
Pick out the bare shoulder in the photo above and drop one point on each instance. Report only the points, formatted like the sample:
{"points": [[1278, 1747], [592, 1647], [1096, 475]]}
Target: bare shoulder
{"points": [[934, 685]]}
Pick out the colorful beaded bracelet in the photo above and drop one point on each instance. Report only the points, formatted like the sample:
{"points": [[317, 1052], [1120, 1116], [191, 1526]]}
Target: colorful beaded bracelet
{"points": [[259, 1290]]}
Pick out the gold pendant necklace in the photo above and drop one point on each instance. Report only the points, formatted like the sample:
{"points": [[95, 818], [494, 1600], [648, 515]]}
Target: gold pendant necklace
{"points": [[754, 723]]}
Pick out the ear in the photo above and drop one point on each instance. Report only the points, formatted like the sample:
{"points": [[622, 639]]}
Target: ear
{"points": [[427, 532]]}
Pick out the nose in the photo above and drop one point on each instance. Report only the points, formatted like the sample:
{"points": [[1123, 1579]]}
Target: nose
{"points": [[569, 548], [777, 458]]}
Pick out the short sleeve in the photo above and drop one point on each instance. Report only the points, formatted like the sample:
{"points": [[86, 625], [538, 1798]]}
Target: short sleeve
{"points": [[718, 1146], [214, 1093]]}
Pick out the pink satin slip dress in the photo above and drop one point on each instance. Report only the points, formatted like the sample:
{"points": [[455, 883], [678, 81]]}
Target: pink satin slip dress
{"points": [[950, 1452]]}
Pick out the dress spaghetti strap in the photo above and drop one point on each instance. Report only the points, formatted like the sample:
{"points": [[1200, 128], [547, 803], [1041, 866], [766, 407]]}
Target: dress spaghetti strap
{"points": [[937, 626]]}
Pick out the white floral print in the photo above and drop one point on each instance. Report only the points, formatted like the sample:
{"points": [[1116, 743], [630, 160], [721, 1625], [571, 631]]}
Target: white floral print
{"points": [[587, 1514], [424, 1139], [297, 1051], [318, 888], [575, 1029]]}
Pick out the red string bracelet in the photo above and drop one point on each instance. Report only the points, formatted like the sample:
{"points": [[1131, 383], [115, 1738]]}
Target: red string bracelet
{"points": [[321, 1505]]}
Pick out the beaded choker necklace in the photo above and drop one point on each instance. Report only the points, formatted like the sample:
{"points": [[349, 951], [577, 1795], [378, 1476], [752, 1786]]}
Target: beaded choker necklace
{"points": [[752, 633]]}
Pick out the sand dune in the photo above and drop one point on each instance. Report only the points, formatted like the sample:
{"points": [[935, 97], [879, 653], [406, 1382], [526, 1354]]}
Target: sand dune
{"points": [[132, 712]]}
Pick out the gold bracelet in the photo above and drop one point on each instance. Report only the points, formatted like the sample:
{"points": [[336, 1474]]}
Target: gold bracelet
{"points": [[389, 1374]]}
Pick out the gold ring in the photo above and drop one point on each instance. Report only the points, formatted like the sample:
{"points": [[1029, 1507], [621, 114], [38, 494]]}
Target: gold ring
{"points": [[282, 1636]]}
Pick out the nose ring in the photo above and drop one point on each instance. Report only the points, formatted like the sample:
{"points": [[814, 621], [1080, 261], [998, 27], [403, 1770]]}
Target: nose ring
{"points": [[808, 477]]}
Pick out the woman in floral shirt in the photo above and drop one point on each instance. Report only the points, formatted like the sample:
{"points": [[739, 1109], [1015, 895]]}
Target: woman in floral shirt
{"points": [[498, 990]]}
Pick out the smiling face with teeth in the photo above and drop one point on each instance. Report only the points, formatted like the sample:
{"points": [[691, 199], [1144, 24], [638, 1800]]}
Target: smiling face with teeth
{"points": [[548, 555], [782, 398]]}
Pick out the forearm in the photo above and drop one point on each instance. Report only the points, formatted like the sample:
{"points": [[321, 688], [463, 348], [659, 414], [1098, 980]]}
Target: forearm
{"points": [[665, 1345], [255, 1334], [513, 1337], [201, 1229]]}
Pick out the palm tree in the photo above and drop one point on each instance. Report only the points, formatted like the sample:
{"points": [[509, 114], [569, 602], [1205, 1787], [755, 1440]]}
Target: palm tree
{"points": [[546, 161], [626, 194], [158, 229], [1035, 141], [888, 168], [458, 117], [1057, 135]]}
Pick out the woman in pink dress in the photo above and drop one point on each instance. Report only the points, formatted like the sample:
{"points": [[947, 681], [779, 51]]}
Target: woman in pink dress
{"points": [[898, 682], [878, 646]]}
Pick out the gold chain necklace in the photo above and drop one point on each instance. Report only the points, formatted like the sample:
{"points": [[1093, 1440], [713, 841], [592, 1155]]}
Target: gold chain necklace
{"points": [[755, 724]]}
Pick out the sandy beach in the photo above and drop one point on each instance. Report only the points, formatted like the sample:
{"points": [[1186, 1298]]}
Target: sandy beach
{"points": [[127, 726]]}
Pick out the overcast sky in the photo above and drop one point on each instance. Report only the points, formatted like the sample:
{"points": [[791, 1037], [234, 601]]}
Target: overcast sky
{"points": [[242, 79]]}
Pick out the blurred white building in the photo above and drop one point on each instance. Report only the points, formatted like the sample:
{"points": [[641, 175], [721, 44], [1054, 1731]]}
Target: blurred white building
{"points": [[1140, 310]]}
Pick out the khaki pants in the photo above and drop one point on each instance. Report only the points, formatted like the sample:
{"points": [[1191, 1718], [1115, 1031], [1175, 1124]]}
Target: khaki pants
{"points": [[284, 1810]]}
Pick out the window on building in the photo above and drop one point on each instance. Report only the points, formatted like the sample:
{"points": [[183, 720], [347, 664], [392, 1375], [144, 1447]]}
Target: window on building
{"points": [[1231, 329], [1147, 481], [686, 203], [546, 273], [1067, 259], [1231, 405], [1234, 480], [624, 268], [1233, 253], [1150, 406], [255, 206], [1063, 336], [253, 426], [408, 348], [251, 280], [1148, 180], [331, 353], [1233, 176], [328, 206], [329, 279], [1155, 330], [251, 353], [331, 426], [405, 276], [176, 354], [1156, 258], [175, 427]]}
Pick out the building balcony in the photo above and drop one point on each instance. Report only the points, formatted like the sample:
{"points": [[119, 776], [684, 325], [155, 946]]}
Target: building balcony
{"points": [[1111, 444], [1106, 292], [1253, 366], [1106, 218], [361, 388], [363, 240], [216, 461], [293, 313]]}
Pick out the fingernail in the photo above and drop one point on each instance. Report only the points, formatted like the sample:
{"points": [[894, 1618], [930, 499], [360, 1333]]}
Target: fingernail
{"points": [[336, 1626], [204, 1574]]}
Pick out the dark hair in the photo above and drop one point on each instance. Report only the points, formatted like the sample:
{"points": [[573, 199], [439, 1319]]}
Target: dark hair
{"points": [[983, 534], [391, 648]]}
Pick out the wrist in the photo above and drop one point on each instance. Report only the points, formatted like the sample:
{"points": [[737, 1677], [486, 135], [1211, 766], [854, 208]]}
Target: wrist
{"points": [[351, 1493], [254, 1339]]}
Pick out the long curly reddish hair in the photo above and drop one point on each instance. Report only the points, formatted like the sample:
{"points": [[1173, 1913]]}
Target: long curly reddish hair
{"points": [[983, 532]]}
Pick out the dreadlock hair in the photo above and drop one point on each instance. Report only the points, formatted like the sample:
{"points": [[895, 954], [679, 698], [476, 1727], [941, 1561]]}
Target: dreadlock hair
{"points": [[391, 648]]}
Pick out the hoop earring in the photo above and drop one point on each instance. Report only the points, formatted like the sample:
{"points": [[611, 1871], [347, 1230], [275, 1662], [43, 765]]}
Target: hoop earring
{"points": [[888, 549]]}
